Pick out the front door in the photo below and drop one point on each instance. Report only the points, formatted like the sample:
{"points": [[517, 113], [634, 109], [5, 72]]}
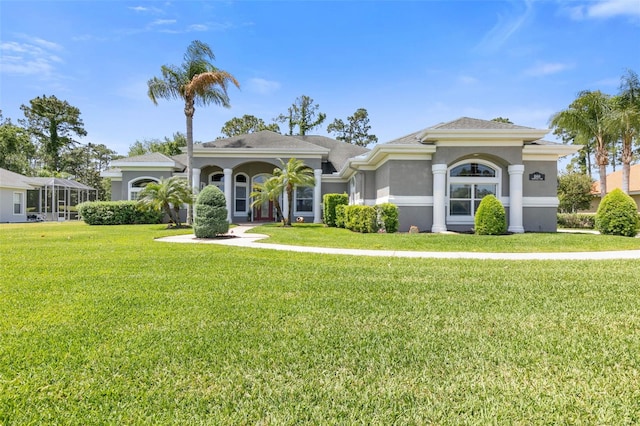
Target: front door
{"points": [[264, 211]]}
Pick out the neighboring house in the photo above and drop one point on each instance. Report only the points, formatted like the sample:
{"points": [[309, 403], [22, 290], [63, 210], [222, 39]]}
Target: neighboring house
{"points": [[13, 196], [25, 198], [614, 180], [436, 176]]}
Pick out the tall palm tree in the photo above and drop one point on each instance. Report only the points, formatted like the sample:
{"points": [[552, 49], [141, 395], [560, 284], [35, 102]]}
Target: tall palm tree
{"points": [[268, 191], [624, 121], [586, 117], [294, 173], [168, 195], [197, 82]]}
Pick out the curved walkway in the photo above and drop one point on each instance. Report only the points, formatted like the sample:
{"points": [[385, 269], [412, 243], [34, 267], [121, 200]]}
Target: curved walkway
{"points": [[242, 239]]}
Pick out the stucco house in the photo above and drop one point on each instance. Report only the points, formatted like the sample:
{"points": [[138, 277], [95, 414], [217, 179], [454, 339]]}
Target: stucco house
{"points": [[13, 196], [436, 176], [614, 180]]}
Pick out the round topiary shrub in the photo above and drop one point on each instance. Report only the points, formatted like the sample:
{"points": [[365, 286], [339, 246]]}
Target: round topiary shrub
{"points": [[491, 218], [618, 215], [211, 213]]}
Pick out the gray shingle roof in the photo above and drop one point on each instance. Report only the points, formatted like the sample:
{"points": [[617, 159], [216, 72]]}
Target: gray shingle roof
{"points": [[339, 152], [151, 157], [409, 139], [466, 123], [9, 179], [262, 140]]}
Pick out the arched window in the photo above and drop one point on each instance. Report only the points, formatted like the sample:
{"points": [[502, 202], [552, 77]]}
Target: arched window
{"points": [[217, 179], [469, 182], [242, 193], [135, 186]]}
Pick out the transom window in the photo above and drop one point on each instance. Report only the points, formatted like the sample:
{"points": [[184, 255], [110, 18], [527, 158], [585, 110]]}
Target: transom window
{"points": [[217, 179], [469, 183], [138, 185]]}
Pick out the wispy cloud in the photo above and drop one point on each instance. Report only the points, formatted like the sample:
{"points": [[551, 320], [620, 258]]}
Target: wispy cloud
{"points": [[467, 79], [604, 9], [262, 86], [32, 56], [508, 24], [546, 68], [145, 9]]}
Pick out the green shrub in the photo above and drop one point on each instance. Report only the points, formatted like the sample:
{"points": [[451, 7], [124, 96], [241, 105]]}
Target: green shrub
{"points": [[387, 216], [361, 219], [618, 215], [329, 204], [341, 217], [491, 218], [576, 220], [210, 213], [117, 213]]}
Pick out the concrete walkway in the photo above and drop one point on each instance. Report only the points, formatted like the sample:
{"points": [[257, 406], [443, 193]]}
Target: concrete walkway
{"points": [[243, 239]]}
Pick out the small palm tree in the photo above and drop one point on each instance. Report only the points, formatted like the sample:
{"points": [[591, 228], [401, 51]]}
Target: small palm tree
{"points": [[197, 82], [291, 174], [168, 195], [269, 190]]}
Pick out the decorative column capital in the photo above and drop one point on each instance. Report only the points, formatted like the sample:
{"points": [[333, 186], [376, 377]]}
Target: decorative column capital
{"points": [[516, 169], [439, 169]]}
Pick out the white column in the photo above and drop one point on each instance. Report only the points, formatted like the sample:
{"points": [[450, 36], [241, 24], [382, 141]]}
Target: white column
{"points": [[516, 173], [228, 193], [317, 196], [439, 193], [196, 180]]}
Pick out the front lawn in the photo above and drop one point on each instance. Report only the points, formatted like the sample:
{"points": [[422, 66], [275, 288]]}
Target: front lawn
{"points": [[102, 325], [320, 236]]}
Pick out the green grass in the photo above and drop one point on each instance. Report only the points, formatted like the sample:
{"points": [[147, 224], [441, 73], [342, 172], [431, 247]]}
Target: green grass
{"points": [[319, 236], [103, 325]]}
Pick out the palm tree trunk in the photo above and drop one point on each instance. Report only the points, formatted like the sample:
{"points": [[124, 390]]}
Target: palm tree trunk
{"points": [[290, 206], [189, 110], [627, 156]]}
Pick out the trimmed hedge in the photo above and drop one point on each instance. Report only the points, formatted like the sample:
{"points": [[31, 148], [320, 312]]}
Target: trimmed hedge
{"points": [[361, 219], [576, 220], [387, 214], [211, 213], [618, 215], [329, 204], [491, 218], [117, 213], [341, 215]]}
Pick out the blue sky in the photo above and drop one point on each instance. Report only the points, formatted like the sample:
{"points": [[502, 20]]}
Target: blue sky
{"points": [[410, 64]]}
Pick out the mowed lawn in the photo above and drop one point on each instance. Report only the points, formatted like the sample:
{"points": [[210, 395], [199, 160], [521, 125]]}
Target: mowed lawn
{"points": [[103, 325]]}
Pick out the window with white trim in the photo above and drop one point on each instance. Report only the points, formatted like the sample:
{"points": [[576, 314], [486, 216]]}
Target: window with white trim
{"points": [[303, 199], [135, 186], [217, 179], [18, 203], [242, 193], [469, 182]]}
